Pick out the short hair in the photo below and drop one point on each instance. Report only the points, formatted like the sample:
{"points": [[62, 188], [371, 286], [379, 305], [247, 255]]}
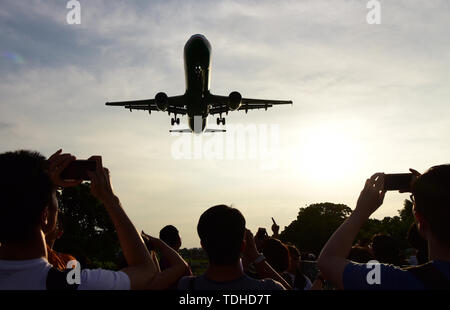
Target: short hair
{"points": [[25, 191], [276, 253], [360, 254], [432, 200], [386, 250], [221, 230], [169, 234]]}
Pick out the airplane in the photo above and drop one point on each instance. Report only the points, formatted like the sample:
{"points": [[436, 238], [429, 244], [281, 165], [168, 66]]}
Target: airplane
{"points": [[197, 101]]}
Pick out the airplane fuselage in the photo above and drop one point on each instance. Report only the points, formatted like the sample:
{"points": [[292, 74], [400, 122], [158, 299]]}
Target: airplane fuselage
{"points": [[197, 103], [197, 67]]}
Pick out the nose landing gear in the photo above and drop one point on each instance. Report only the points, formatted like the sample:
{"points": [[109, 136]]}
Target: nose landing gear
{"points": [[221, 120]]}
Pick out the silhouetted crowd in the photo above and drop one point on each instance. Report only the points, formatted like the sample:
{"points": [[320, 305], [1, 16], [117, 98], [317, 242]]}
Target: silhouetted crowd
{"points": [[237, 259]]}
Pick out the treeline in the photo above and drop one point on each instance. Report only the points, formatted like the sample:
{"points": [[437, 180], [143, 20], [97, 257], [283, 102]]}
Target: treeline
{"points": [[317, 222]]}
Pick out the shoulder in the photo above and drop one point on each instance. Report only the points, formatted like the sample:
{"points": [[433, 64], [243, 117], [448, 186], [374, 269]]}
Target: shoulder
{"points": [[186, 282], [376, 276], [102, 279]]}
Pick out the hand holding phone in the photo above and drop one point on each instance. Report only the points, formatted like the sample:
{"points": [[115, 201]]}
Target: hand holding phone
{"points": [[56, 164]]}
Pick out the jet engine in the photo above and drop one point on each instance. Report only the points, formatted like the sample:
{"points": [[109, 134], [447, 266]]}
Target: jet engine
{"points": [[161, 101], [234, 100]]}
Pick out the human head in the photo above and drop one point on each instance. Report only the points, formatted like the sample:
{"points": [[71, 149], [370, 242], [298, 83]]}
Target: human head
{"points": [[360, 254], [221, 230], [28, 198], [294, 257], [431, 194], [276, 253], [169, 234], [385, 249]]}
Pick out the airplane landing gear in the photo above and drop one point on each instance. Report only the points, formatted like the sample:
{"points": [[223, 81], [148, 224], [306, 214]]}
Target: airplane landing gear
{"points": [[174, 121], [221, 120]]}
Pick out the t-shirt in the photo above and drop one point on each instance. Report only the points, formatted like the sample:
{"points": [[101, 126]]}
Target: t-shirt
{"points": [[356, 276], [307, 281], [242, 283], [58, 260], [32, 275]]}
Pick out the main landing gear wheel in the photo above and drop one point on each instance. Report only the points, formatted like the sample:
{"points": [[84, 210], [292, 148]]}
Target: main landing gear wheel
{"points": [[221, 120], [174, 121]]}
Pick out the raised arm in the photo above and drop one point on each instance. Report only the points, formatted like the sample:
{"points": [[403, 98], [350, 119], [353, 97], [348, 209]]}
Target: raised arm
{"points": [[178, 267], [333, 258], [141, 268], [262, 267]]}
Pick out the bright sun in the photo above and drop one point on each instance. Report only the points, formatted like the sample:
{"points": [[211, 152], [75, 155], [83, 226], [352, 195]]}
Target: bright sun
{"points": [[328, 152]]}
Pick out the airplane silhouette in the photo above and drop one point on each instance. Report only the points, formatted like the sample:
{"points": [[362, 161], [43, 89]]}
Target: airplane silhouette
{"points": [[198, 102]]}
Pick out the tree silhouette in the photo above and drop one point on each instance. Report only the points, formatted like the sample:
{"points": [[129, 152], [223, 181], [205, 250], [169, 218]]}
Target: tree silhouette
{"points": [[314, 226], [316, 223]]}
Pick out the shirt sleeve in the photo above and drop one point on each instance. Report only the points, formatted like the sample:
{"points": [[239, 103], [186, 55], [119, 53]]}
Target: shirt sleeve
{"points": [[376, 276], [101, 279]]}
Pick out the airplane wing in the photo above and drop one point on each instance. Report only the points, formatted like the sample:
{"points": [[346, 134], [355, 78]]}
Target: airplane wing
{"points": [[219, 104], [176, 105]]}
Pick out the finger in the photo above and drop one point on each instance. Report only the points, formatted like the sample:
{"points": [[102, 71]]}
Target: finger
{"points": [[415, 172], [55, 155], [376, 176], [274, 221], [98, 159], [55, 163], [64, 164], [379, 184], [367, 185]]}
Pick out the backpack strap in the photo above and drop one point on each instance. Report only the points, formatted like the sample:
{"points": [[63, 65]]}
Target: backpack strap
{"points": [[57, 280], [431, 277]]}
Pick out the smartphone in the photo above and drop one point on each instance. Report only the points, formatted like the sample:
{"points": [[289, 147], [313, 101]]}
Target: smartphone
{"points": [[398, 182], [77, 170]]}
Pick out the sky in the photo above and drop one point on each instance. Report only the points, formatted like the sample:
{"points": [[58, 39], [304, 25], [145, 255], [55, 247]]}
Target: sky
{"points": [[367, 98]]}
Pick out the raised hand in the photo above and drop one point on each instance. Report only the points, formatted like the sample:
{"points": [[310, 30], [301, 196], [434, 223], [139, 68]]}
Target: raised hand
{"points": [[415, 176], [100, 181], [372, 196], [56, 164], [275, 228], [250, 252]]}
